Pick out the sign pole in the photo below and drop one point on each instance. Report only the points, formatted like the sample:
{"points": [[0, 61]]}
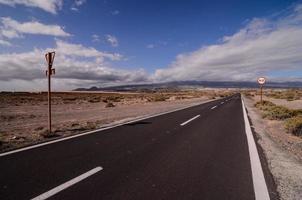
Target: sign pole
{"points": [[49, 98], [261, 82], [49, 58], [261, 94]]}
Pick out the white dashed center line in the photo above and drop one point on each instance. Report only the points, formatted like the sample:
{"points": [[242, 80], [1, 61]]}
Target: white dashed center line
{"points": [[190, 120], [67, 184], [213, 107]]}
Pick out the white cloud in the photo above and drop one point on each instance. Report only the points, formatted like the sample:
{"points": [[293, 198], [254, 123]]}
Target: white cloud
{"points": [[263, 46], [76, 66], [157, 44], [13, 29], [81, 51], [150, 46], [5, 43], [112, 40], [115, 12], [77, 4], [47, 5], [95, 38]]}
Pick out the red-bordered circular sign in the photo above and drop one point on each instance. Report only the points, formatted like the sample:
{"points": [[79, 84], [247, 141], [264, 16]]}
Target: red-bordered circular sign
{"points": [[261, 80]]}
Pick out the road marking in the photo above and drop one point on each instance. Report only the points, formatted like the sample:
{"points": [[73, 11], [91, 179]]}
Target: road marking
{"points": [[67, 184], [213, 107], [222, 103], [260, 187], [98, 130], [190, 120]]}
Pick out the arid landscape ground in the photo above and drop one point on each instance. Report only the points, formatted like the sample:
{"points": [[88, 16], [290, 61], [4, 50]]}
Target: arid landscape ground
{"points": [[24, 116]]}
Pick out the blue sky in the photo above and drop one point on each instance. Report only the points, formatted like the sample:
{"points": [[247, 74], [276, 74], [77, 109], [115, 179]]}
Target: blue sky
{"points": [[114, 42]]}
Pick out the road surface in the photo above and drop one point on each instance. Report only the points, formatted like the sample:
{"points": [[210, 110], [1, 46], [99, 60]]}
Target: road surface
{"points": [[197, 153]]}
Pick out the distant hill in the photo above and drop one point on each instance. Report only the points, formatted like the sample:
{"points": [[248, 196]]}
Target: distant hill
{"points": [[191, 84]]}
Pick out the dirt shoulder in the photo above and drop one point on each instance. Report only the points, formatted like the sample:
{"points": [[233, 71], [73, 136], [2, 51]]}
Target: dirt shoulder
{"points": [[282, 150]]}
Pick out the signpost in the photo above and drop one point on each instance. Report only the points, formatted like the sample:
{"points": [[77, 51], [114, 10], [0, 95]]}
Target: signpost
{"points": [[50, 56], [261, 81]]}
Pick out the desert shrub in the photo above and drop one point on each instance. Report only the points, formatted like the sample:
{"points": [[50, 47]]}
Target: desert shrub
{"points": [[294, 125], [109, 105], [94, 100], [91, 125], [112, 99], [274, 112], [69, 98], [159, 98], [7, 117], [39, 128], [266, 105], [278, 113]]}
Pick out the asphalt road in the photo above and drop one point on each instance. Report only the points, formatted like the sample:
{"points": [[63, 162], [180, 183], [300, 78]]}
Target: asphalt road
{"points": [[197, 153]]}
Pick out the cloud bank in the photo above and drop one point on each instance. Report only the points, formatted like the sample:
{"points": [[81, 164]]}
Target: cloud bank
{"points": [[51, 6], [112, 40], [76, 65], [264, 46], [13, 29]]}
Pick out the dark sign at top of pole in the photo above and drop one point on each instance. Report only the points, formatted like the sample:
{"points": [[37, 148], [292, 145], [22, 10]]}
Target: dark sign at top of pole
{"points": [[50, 56]]}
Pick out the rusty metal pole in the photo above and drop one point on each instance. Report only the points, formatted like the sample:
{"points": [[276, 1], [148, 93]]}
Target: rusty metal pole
{"points": [[261, 94], [261, 81], [49, 93], [49, 58]]}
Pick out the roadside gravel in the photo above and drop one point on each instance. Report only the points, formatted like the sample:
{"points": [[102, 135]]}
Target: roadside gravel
{"points": [[284, 163]]}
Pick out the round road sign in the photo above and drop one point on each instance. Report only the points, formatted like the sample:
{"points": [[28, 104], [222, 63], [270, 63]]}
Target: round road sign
{"points": [[261, 80]]}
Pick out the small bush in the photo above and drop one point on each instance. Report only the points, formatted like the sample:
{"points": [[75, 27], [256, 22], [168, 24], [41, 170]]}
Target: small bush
{"points": [[158, 98], [94, 100], [278, 113], [264, 104], [113, 99], [274, 112], [109, 105], [69, 98], [7, 117], [294, 125]]}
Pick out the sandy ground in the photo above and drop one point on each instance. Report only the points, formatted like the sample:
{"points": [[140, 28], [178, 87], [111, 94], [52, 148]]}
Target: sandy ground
{"points": [[24, 119], [283, 150]]}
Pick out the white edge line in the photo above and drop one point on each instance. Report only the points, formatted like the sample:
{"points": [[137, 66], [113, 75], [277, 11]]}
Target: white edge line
{"points": [[213, 107], [260, 187], [97, 130], [190, 120], [67, 184]]}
